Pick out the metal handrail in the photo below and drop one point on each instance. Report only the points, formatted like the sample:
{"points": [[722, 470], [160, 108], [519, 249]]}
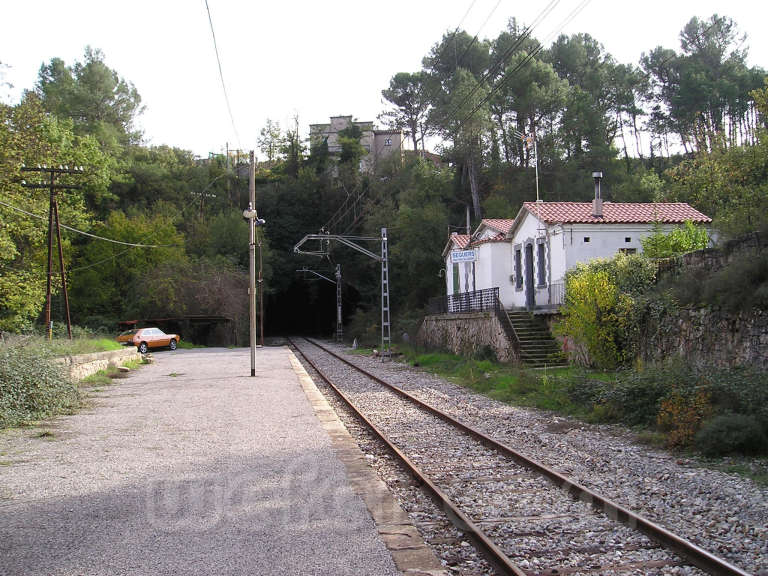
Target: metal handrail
{"points": [[475, 301], [503, 317]]}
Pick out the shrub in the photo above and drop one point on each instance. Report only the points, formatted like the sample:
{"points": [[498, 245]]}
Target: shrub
{"points": [[681, 416], [597, 313], [32, 386], [635, 398], [731, 433], [741, 285], [686, 238]]}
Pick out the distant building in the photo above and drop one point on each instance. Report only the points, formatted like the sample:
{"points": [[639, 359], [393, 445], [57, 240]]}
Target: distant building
{"points": [[379, 144]]}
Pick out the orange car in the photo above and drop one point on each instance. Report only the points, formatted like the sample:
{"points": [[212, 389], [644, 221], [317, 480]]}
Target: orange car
{"points": [[146, 338]]}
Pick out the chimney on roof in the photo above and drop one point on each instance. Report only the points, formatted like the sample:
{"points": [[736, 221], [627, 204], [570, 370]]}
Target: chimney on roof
{"points": [[597, 203]]}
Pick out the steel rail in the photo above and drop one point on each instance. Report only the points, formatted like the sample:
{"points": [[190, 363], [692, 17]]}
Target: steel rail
{"points": [[696, 555], [458, 518]]}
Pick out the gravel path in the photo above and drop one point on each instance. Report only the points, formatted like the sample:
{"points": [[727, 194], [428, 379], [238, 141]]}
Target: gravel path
{"points": [[186, 467], [723, 513]]}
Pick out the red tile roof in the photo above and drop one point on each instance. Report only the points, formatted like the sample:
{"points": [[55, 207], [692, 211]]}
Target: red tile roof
{"points": [[501, 237], [460, 240], [616, 212], [501, 224]]}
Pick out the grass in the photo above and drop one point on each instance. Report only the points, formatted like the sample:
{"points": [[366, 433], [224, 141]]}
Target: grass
{"points": [[545, 389], [361, 351], [98, 379], [184, 345], [756, 470], [66, 347], [105, 377]]}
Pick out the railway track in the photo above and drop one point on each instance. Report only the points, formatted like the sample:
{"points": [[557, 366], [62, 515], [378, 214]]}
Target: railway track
{"points": [[524, 517]]}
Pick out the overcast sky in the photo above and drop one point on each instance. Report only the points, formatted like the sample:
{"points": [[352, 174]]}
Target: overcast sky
{"points": [[311, 58]]}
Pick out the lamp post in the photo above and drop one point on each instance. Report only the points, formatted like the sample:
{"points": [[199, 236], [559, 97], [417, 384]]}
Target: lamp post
{"points": [[253, 221]]}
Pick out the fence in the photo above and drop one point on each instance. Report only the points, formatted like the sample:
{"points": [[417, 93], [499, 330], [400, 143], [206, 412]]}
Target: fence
{"points": [[477, 301], [556, 294]]}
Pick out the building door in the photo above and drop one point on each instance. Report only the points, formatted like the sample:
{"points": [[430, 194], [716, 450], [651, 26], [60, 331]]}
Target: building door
{"points": [[530, 294]]}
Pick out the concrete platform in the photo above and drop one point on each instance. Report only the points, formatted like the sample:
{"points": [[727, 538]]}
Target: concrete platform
{"points": [[192, 467]]}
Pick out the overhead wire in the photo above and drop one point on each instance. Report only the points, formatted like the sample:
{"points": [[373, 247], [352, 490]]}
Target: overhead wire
{"points": [[221, 75], [493, 70], [88, 234], [510, 74], [438, 56]]}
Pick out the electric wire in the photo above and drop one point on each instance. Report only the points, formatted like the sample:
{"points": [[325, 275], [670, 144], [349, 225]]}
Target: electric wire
{"points": [[377, 153], [493, 71], [96, 237], [510, 74], [221, 75]]}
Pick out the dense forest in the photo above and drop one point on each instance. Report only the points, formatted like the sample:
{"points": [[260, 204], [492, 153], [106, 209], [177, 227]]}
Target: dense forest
{"points": [[683, 124]]}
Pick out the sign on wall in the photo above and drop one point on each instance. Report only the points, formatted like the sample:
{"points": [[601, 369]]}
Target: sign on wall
{"points": [[462, 256]]}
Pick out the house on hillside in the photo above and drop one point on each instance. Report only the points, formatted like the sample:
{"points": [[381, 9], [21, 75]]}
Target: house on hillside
{"points": [[527, 258], [484, 262], [549, 238], [379, 144]]}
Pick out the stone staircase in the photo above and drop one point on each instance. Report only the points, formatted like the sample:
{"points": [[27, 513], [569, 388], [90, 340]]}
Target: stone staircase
{"points": [[537, 347]]}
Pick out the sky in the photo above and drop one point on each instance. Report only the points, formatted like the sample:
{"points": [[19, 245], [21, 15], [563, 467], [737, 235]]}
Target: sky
{"points": [[311, 59]]}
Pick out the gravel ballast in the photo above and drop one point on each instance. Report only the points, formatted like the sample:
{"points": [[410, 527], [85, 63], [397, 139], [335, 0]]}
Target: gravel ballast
{"points": [[723, 513], [189, 467]]}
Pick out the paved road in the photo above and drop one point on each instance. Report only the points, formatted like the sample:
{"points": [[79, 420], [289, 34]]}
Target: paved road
{"points": [[187, 467]]}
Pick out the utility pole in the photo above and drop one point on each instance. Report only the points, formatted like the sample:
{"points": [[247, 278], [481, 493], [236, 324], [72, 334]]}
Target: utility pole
{"points": [[53, 217], [528, 141], [253, 221]]}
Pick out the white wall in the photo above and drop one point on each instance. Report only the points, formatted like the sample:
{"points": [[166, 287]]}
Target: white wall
{"points": [[527, 230], [465, 276], [605, 240]]}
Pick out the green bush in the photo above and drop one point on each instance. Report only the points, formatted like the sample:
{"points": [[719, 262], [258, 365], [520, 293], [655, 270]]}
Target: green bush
{"points": [[741, 285], [739, 391], [731, 433], [683, 239], [597, 313], [635, 398], [32, 385]]}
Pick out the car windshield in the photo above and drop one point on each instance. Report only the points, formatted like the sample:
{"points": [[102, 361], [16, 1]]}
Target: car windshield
{"points": [[128, 332]]}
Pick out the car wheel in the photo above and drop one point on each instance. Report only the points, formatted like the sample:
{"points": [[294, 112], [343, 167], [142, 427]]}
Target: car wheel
{"points": [[143, 347], [172, 344]]}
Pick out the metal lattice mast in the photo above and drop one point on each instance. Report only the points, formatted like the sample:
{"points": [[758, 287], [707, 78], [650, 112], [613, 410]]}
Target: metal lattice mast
{"points": [[339, 324], [325, 240], [385, 332]]}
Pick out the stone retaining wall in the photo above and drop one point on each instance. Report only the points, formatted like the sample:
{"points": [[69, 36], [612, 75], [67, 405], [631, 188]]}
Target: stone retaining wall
{"points": [[83, 365], [710, 336], [465, 334]]}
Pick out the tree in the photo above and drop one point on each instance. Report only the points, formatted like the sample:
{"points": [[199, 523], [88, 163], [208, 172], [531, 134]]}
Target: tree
{"points": [[93, 96], [703, 93], [407, 92], [104, 280], [271, 141], [30, 136], [681, 240]]}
